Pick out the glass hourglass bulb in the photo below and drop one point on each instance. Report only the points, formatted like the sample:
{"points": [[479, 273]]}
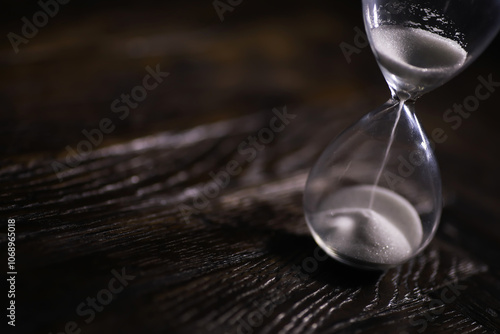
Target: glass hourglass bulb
{"points": [[373, 198]]}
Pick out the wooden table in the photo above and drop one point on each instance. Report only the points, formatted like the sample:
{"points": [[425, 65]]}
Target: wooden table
{"points": [[158, 212]]}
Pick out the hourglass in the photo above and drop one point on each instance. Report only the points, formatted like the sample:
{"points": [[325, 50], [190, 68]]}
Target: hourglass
{"points": [[373, 198]]}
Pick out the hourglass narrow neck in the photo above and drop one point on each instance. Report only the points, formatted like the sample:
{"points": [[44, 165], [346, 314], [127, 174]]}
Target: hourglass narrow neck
{"points": [[404, 96], [407, 100], [393, 105]]}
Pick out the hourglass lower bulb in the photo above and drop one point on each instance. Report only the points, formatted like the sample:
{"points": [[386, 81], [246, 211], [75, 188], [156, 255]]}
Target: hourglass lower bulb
{"points": [[373, 199]]}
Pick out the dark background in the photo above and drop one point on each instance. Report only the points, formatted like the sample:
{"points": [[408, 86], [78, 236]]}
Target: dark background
{"points": [[120, 206]]}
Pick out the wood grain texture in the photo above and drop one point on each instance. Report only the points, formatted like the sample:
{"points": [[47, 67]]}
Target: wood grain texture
{"points": [[244, 261]]}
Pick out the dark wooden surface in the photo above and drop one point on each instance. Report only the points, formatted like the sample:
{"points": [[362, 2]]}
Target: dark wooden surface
{"points": [[243, 262]]}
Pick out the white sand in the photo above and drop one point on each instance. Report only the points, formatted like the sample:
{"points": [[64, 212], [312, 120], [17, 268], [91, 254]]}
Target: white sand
{"points": [[387, 234], [417, 55]]}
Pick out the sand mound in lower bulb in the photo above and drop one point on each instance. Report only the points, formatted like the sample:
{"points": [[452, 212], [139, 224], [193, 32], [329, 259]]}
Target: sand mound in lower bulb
{"points": [[386, 234]]}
